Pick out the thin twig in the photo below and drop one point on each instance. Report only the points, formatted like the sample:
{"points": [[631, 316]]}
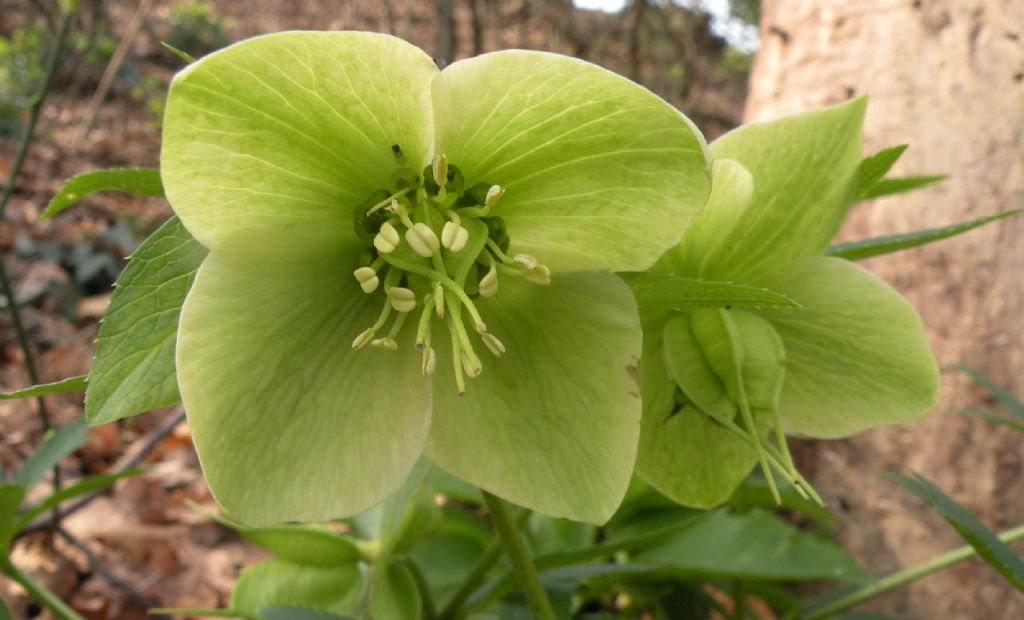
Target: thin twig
{"points": [[100, 567], [108, 75], [19, 160], [130, 459]]}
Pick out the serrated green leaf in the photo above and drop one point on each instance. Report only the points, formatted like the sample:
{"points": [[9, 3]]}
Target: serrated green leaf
{"points": [[871, 169], [877, 246], [995, 552], [83, 486], [143, 181], [71, 384], [1007, 400], [61, 443], [134, 367], [754, 545], [668, 292], [899, 185]]}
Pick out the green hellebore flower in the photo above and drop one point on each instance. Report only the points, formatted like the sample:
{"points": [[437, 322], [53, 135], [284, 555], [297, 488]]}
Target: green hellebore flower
{"points": [[464, 223], [854, 355]]}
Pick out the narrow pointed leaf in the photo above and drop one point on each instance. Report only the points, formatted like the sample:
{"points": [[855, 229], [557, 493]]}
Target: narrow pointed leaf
{"points": [[995, 419], [899, 185], [143, 181], [994, 551], [877, 246], [83, 486], [1007, 400], [299, 613], [134, 367], [11, 496], [873, 168], [664, 291], [71, 384], [61, 443]]}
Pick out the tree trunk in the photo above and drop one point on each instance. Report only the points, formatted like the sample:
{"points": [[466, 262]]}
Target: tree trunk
{"points": [[446, 42], [947, 77]]}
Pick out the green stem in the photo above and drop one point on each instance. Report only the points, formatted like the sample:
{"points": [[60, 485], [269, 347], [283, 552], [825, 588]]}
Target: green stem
{"points": [[19, 160], [522, 565], [40, 593], [476, 576], [903, 577]]}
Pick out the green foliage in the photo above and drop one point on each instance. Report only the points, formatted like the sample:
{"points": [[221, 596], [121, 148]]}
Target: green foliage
{"points": [[866, 248], [21, 71], [59, 444], [995, 552], [142, 181], [195, 28], [755, 545], [899, 185], [71, 384], [134, 369]]}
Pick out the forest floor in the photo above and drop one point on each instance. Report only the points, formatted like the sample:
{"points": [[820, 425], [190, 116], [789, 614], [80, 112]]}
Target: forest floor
{"points": [[138, 545]]}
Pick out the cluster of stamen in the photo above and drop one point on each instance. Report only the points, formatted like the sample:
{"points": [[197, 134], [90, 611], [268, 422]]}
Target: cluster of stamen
{"points": [[410, 217]]}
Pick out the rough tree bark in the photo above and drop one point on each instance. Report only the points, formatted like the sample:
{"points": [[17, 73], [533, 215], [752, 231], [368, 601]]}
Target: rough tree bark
{"points": [[948, 78]]}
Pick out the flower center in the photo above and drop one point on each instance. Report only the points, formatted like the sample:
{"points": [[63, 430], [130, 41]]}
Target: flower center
{"points": [[438, 246]]}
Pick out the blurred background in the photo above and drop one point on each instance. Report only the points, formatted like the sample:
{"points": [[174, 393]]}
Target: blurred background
{"points": [[945, 76]]}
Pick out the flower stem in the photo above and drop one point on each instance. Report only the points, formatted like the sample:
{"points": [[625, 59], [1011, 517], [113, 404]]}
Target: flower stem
{"points": [[903, 577], [40, 593], [476, 576], [522, 565]]}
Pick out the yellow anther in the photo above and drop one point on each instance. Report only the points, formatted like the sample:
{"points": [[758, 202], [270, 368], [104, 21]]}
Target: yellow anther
{"points": [[539, 275], [496, 346], [489, 283], [429, 361], [526, 261], [367, 278], [363, 338], [440, 169], [494, 195], [402, 299], [422, 240], [387, 239], [454, 237], [384, 343]]}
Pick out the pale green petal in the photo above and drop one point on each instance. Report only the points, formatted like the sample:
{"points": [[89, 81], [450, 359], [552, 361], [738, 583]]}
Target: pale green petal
{"points": [[856, 351], [732, 188], [686, 456], [293, 131], [551, 425], [289, 422], [599, 172], [803, 168]]}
